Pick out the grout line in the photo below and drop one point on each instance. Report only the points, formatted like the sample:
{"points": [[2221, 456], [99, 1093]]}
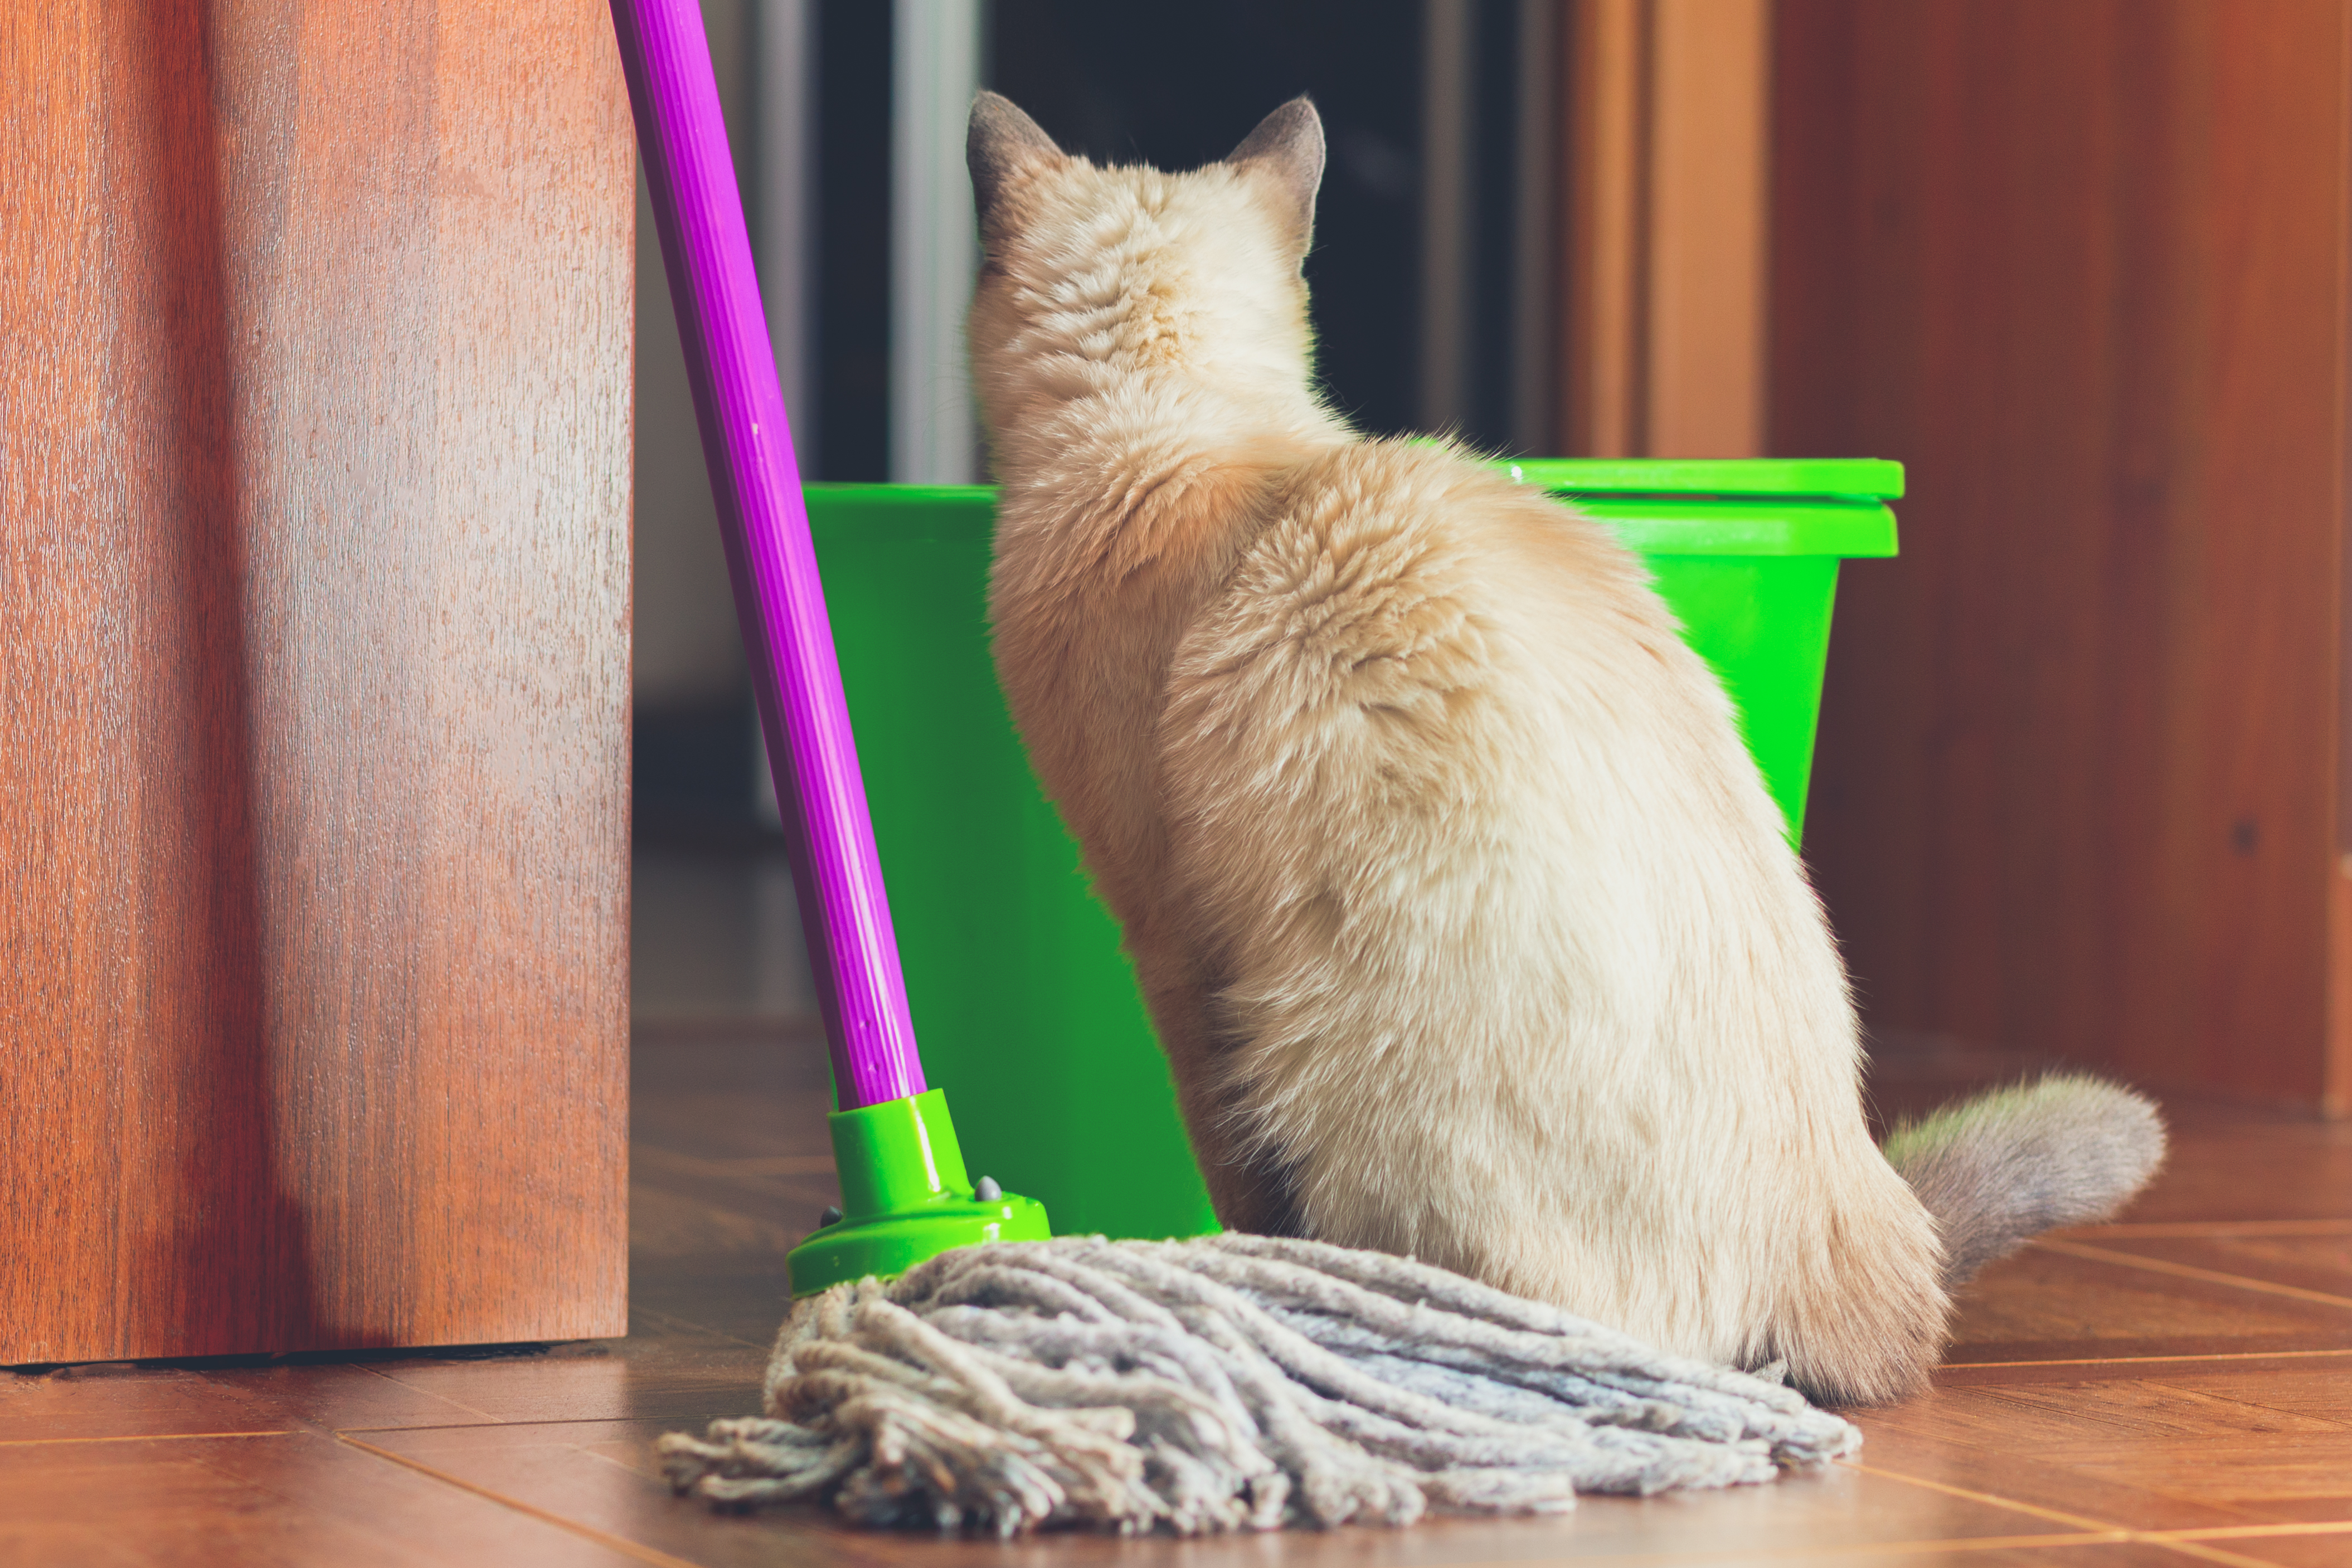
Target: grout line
{"points": [[587, 1531], [2251, 1531], [460, 1425], [2192, 1229], [2207, 1553], [2080, 1521], [1911, 1548], [2142, 1360], [1668, 1556], [2186, 1355], [2185, 1271], [619, 1464], [2188, 1543], [144, 1437], [655, 1417], [412, 1388]]}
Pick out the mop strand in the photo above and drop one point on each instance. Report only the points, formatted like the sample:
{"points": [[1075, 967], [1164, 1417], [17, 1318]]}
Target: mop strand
{"points": [[1227, 1383]]}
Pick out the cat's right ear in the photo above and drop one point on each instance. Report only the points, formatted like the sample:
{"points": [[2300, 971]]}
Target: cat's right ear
{"points": [[1003, 145], [1285, 151]]}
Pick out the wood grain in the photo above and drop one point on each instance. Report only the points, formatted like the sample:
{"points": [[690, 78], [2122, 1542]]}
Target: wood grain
{"points": [[2081, 267], [2162, 1437], [2050, 1303], [1834, 1513], [313, 663], [294, 1498], [2199, 1451], [1604, 387], [1667, 197]]}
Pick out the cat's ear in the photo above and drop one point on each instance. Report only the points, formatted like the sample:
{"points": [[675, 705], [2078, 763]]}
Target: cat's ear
{"points": [[1286, 153], [1002, 144]]}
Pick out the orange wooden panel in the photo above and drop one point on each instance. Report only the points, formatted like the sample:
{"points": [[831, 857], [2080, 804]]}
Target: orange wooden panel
{"points": [[313, 671], [1707, 216], [1604, 177], [2081, 267], [1665, 177]]}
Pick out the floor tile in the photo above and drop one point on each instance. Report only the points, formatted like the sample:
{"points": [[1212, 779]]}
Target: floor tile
{"points": [[603, 1473], [123, 1400], [2274, 1479], [2311, 1257], [119, 1400], [1922, 1449], [2046, 1303], [2328, 1365], [320, 1398], [2179, 1448], [2112, 1555], [2187, 1369], [2313, 1392], [297, 1500], [2292, 1546], [670, 1374], [2229, 1163]]}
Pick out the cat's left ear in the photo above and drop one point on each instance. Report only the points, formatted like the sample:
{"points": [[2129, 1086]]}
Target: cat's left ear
{"points": [[1285, 154], [1001, 146]]}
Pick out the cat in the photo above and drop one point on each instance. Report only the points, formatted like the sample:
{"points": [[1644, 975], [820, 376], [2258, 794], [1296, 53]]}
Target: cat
{"points": [[1458, 903]]}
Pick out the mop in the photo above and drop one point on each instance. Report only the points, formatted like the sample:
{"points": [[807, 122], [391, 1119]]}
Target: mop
{"points": [[947, 1364]]}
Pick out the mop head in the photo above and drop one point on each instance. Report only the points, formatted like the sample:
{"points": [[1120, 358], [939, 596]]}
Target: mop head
{"points": [[1227, 1383]]}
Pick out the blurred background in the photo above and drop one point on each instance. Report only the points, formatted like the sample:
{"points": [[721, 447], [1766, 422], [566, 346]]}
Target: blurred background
{"points": [[2081, 790], [847, 117], [313, 468]]}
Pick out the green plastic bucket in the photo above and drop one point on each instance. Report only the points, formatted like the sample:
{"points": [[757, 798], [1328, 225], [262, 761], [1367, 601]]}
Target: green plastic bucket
{"points": [[1025, 1008]]}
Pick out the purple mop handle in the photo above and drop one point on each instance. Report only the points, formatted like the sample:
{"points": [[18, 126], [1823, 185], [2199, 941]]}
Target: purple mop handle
{"points": [[748, 447]]}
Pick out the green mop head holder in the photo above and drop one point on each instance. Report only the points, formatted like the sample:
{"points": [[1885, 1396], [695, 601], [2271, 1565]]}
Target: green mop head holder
{"points": [[905, 1196]]}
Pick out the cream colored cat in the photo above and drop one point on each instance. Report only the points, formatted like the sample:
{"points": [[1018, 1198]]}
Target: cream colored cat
{"points": [[1464, 917]]}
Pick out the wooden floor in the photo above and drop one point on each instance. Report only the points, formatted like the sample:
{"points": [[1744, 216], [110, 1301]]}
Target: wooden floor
{"points": [[2175, 1390]]}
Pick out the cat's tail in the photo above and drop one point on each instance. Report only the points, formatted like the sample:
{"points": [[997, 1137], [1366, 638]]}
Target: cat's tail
{"points": [[1997, 1170]]}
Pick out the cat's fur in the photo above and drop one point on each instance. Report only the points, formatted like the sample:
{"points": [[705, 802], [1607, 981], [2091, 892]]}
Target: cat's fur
{"points": [[1463, 913]]}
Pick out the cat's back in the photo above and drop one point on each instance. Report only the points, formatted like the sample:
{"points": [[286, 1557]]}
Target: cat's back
{"points": [[1432, 692], [1405, 587]]}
